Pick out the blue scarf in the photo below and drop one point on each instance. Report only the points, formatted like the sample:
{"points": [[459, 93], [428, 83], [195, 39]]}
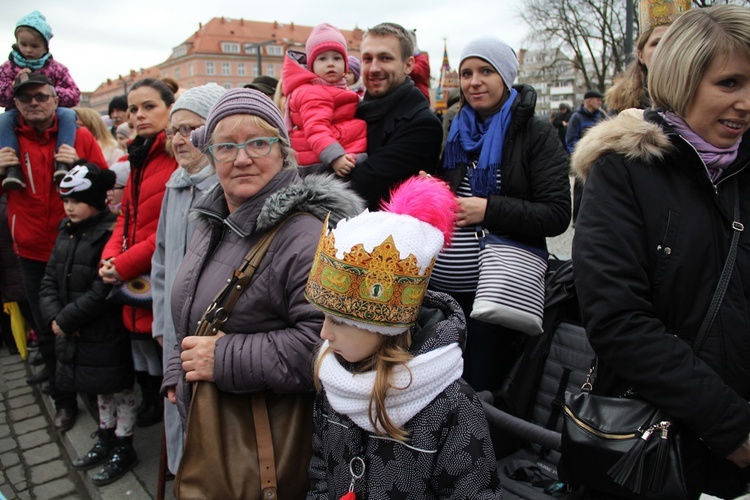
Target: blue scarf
{"points": [[470, 136], [33, 64]]}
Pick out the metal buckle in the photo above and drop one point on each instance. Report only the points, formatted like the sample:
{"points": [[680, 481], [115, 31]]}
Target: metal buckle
{"points": [[738, 226]]}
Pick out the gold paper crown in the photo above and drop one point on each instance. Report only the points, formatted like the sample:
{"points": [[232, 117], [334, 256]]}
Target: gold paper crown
{"points": [[375, 288], [653, 13]]}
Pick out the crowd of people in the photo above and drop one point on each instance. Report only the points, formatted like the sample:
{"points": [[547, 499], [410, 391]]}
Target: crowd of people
{"points": [[306, 253]]}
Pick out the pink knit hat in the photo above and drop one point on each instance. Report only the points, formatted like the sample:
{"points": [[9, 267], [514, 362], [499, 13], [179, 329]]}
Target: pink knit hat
{"points": [[325, 37]]}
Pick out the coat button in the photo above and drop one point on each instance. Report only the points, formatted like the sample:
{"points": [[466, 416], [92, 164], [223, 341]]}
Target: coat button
{"points": [[667, 250]]}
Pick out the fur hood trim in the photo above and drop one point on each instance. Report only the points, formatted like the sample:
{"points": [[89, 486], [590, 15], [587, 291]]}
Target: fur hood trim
{"points": [[628, 134], [317, 194]]}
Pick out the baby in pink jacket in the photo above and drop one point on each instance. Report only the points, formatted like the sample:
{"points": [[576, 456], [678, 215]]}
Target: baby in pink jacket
{"points": [[320, 107]]}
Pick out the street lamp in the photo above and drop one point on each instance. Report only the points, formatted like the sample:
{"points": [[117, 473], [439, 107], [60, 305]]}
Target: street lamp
{"points": [[257, 47], [628, 30]]}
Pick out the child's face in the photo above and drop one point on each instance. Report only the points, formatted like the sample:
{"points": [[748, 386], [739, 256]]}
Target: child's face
{"points": [[30, 43], [329, 65], [77, 210], [114, 195], [350, 78], [351, 343]]}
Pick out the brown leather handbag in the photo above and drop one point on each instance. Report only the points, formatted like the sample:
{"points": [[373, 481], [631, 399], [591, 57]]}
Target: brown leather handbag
{"points": [[244, 446]]}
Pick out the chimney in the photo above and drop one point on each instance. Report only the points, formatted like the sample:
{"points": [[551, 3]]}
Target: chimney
{"points": [[291, 26], [200, 26]]}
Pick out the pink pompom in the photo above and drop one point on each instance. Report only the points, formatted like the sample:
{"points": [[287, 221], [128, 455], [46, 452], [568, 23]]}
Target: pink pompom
{"points": [[427, 199]]}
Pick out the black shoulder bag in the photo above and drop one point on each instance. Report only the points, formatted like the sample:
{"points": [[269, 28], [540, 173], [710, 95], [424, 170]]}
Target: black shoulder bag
{"points": [[628, 447]]}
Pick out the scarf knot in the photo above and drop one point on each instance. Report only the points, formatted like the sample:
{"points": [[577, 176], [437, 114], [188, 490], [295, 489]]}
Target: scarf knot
{"points": [[469, 138]]}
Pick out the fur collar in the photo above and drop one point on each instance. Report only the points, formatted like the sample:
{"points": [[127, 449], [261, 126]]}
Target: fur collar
{"points": [[628, 134]]}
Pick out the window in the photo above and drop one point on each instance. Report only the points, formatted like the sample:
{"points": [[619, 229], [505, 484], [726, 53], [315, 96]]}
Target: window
{"points": [[210, 69], [271, 70], [179, 51], [255, 70], [275, 50], [177, 73], [227, 86], [226, 69], [230, 48], [190, 69], [241, 69]]}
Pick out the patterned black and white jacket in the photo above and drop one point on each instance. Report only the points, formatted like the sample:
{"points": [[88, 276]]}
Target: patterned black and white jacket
{"points": [[449, 453]]}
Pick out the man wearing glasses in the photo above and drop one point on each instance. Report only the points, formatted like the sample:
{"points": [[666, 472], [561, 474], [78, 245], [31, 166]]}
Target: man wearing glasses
{"points": [[34, 213]]}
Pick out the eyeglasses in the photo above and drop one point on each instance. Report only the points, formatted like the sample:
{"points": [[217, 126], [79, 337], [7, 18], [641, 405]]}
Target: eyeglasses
{"points": [[40, 98], [257, 147], [183, 130]]}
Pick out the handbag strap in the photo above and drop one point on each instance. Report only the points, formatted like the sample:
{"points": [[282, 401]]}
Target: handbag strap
{"points": [[266, 459], [218, 312], [726, 273]]}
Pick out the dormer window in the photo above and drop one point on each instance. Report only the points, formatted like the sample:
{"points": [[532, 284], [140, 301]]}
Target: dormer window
{"points": [[230, 48]]}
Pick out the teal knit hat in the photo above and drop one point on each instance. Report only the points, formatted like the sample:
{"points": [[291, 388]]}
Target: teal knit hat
{"points": [[37, 22]]}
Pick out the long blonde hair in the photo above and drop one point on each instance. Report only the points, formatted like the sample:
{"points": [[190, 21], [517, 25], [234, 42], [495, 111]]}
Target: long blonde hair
{"points": [[392, 352], [95, 124], [629, 88]]}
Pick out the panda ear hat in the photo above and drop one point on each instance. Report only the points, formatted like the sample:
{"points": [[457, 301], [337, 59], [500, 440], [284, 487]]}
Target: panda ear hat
{"points": [[87, 183]]}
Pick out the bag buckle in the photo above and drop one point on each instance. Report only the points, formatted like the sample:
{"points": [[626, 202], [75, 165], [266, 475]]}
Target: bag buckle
{"points": [[738, 226]]}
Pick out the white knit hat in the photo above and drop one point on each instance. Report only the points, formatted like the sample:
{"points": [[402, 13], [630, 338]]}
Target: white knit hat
{"points": [[199, 100], [122, 172]]}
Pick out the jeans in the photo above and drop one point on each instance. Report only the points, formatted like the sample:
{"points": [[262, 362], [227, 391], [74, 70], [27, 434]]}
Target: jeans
{"points": [[66, 128]]}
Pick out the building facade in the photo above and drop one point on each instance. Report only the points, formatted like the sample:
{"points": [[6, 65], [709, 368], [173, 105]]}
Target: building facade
{"points": [[228, 52]]}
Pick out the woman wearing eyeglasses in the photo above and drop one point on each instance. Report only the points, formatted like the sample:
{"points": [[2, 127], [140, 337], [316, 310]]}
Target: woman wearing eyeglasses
{"points": [[267, 343], [187, 184], [129, 251]]}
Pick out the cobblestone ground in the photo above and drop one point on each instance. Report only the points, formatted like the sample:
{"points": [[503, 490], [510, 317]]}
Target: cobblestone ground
{"points": [[33, 465]]}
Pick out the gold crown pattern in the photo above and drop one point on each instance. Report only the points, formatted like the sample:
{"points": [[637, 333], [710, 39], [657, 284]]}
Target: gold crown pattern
{"points": [[653, 13], [369, 287]]}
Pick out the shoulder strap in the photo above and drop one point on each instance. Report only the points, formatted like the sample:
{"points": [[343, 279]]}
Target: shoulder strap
{"points": [[726, 274], [221, 307]]}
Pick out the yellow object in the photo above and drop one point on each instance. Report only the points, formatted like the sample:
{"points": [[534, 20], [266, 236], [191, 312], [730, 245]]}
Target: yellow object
{"points": [[18, 326], [653, 13]]}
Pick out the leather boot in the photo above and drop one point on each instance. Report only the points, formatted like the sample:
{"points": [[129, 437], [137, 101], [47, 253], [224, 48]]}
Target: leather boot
{"points": [[99, 453], [13, 178], [61, 170], [122, 459], [152, 408]]}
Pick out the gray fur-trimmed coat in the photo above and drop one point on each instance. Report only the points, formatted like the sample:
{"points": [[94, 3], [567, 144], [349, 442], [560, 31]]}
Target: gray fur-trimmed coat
{"points": [[273, 330], [651, 240]]}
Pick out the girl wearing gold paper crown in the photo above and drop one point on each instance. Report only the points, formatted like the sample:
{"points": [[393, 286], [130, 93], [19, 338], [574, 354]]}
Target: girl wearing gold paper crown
{"points": [[393, 415]]}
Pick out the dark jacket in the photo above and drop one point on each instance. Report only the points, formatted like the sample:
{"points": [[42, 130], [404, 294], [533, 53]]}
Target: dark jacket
{"points": [[534, 199], [273, 330], [94, 357], [559, 121], [403, 137], [449, 452], [651, 240], [579, 123], [11, 284]]}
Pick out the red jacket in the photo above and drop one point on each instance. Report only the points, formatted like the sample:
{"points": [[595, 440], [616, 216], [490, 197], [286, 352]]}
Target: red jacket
{"points": [[322, 116], [34, 213], [141, 205], [420, 74]]}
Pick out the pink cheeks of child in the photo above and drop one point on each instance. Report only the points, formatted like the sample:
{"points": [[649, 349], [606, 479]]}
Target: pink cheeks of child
{"points": [[350, 342], [329, 66]]}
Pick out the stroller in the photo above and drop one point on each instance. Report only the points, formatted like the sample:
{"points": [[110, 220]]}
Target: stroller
{"points": [[525, 415]]}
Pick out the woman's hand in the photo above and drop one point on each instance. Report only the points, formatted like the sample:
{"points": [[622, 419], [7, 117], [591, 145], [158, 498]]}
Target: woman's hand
{"points": [[198, 357], [741, 456], [108, 272], [172, 395], [471, 211]]}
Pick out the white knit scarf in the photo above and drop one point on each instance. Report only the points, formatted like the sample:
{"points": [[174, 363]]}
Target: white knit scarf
{"points": [[427, 376]]}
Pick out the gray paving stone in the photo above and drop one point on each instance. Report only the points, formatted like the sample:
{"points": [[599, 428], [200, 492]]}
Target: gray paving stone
{"points": [[47, 472], [4, 431], [15, 474], [20, 391], [41, 454], [21, 401], [3, 416], [13, 369], [16, 375], [30, 424], [20, 414], [24, 495], [60, 488], [7, 444], [7, 491], [13, 384], [34, 439], [9, 459]]}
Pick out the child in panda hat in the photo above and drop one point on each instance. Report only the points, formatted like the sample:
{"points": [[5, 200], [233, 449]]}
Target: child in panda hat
{"points": [[393, 415], [91, 344]]}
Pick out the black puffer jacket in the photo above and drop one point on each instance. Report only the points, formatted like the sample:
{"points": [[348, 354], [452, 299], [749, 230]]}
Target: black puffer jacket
{"points": [[534, 199], [449, 453], [11, 284], [651, 240], [95, 355]]}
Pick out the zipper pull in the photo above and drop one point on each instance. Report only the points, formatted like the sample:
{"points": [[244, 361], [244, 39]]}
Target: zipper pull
{"points": [[357, 470], [628, 471]]}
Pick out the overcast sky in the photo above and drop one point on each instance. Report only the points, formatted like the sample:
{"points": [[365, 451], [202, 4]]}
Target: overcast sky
{"points": [[102, 39]]}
